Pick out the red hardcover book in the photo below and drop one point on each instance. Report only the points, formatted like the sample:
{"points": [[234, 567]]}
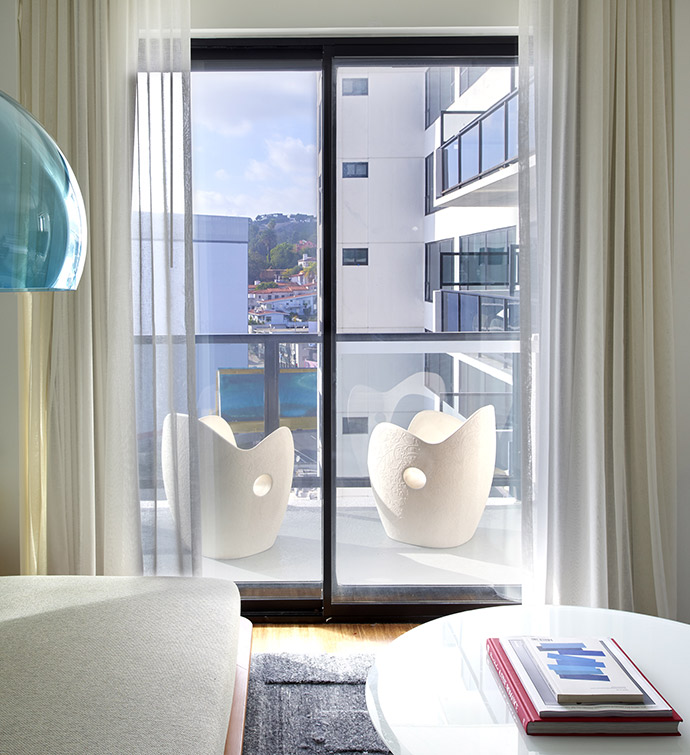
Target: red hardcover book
{"points": [[533, 723]]}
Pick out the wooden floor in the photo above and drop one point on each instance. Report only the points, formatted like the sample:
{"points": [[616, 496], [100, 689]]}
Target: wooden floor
{"points": [[324, 638]]}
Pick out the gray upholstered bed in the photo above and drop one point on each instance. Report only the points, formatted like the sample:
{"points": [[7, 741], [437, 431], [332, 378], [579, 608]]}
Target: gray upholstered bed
{"points": [[136, 665]]}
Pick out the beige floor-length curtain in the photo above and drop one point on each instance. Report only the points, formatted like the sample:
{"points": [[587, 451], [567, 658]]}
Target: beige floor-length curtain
{"points": [[596, 81], [80, 499]]}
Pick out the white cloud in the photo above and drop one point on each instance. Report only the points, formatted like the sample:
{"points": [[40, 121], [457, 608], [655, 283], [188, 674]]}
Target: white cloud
{"points": [[271, 198], [290, 156], [231, 103], [258, 171], [229, 128]]}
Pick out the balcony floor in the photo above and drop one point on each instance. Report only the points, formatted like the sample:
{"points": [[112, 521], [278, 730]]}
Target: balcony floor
{"points": [[366, 556]]}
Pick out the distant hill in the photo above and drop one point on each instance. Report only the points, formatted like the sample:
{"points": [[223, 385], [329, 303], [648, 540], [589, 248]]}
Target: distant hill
{"points": [[269, 231], [290, 228]]}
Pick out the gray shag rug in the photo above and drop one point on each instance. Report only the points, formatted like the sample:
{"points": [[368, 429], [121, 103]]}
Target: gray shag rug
{"points": [[309, 704]]}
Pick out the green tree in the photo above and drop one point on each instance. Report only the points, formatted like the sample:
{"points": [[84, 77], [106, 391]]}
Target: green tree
{"points": [[283, 256], [310, 271], [263, 238], [256, 264]]}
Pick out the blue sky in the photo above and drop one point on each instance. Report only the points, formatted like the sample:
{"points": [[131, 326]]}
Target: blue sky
{"points": [[254, 142]]}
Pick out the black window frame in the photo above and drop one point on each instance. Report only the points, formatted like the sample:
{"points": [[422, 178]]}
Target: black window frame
{"points": [[229, 53]]}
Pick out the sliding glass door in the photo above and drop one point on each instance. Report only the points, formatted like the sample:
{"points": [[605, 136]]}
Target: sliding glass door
{"points": [[258, 334], [427, 319], [356, 254]]}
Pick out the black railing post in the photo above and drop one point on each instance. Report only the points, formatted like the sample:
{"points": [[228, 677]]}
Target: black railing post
{"points": [[271, 385]]}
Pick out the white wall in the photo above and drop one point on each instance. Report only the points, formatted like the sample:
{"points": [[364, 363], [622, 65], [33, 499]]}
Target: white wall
{"points": [[383, 213], [9, 384], [220, 273], [353, 16], [681, 74]]}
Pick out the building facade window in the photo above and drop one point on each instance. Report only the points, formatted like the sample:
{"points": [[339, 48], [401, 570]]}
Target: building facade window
{"points": [[485, 260], [434, 253], [355, 87], [438, 374], [429, 184], [468, 75], [439, 92], [355, 256], [356, 170], [355, 425]]}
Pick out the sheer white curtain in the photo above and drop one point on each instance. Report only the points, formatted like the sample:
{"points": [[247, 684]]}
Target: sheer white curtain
{"points": [[164, 293], [80, 494], [101, 367], [596, 220]]}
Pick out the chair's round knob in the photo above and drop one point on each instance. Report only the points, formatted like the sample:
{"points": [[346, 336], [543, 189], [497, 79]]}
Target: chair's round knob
{"points": [[414, 478], [262, 485]]}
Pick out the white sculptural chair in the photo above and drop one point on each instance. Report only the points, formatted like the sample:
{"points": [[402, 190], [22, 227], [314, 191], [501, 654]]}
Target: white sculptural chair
{"points": [[431, 482], [244, 492]]}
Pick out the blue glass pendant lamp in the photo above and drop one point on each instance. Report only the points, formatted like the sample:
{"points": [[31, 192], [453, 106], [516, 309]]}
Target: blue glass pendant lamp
{"points": [[42, 217]]}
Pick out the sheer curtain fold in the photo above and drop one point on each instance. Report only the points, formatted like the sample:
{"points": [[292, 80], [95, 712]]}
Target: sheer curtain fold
{"points": [[598, 205], [81, 502], [164, 292]]}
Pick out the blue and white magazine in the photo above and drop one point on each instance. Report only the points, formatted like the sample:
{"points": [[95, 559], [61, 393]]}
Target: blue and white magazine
{"points": [[595, 680]]}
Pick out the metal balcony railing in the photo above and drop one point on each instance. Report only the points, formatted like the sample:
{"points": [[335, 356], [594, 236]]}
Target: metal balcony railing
{"points": [[478, 312], [486, 144]]}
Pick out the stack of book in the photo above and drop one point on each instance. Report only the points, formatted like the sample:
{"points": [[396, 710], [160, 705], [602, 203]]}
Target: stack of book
{"points": [[578, 686]]}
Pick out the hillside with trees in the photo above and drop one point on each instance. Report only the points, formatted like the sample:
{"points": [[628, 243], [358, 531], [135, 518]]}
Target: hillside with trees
{"points": [[273, 241]]}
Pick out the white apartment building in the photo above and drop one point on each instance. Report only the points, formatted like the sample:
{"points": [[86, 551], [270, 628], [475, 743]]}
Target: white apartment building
{"points": [[426, 229]]}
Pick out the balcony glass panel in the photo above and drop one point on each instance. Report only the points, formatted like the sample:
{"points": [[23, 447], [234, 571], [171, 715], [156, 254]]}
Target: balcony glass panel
{"points": [[450, 274], [488, 143], [298, 405], [492, 313], [496, 269], [469, 313], [496, 241], [471, 269], [451, 167], [473, 244], [513, 316], [469, 154], [451, 313], [493, 139]]}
